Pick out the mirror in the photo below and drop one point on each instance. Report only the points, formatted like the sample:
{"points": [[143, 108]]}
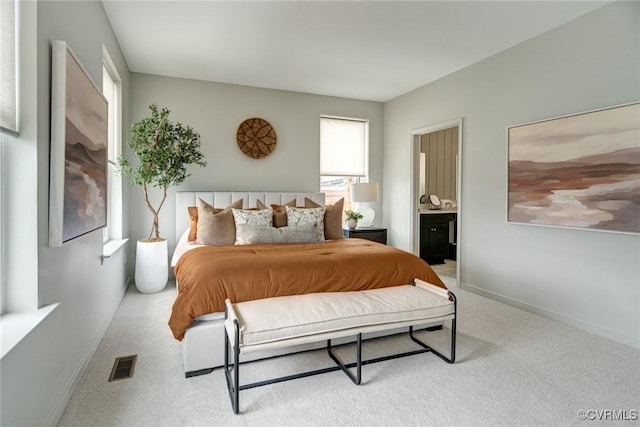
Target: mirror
{"points": [[434, 202]]}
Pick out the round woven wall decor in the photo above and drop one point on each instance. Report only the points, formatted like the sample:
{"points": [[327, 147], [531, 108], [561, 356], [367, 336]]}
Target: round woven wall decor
{"points": [[256, 138]]}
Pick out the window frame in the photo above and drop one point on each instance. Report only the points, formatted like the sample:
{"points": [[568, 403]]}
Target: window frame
{"points": [[3, 287], [113, 230]]}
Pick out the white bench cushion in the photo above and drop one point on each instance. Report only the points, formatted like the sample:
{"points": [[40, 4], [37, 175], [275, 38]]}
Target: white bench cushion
{"points": [[265, 322]]}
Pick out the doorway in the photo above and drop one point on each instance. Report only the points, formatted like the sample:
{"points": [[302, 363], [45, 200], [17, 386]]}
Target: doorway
{"points": [[426, 157]]}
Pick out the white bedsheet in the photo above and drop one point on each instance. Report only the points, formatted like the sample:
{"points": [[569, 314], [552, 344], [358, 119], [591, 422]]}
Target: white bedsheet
{"points": [[183, 246]]}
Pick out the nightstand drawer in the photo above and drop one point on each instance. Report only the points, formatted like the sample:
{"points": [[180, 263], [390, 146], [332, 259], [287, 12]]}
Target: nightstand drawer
{"points": [[370, 233]]}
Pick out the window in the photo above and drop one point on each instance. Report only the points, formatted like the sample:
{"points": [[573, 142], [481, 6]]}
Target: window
{"points": [[112, 90], [19, 176], [344, 146], [8, 75], [8, 112], [2, 236]]}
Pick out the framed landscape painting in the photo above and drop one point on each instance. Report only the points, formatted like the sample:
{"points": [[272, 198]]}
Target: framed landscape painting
{"points": [[78, 158], [579, 171]]}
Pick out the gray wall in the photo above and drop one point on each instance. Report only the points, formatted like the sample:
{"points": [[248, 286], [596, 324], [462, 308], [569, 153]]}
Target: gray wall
{"points": [[215, 110], [40, 373], [585, 278]]}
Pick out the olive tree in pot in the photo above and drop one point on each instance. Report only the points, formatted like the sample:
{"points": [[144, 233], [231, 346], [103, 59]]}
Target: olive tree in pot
{"points": [[164, 150]]}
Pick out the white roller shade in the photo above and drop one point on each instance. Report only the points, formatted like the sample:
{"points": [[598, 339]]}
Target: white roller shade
{"points": [[8, 101], [343, 147]]}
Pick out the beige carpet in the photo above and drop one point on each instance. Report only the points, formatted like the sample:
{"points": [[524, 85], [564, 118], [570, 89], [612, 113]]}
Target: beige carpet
{"points": [[513, 368]]}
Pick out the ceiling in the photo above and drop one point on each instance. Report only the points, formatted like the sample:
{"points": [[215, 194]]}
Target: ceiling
{"points": [[370, 50]]}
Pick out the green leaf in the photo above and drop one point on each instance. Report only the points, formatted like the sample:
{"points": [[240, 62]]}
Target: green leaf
{"points": [[163, 150]]}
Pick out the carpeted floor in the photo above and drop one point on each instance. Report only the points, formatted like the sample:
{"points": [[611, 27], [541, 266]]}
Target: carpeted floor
{"points": [[447, 270], [512, 368]]}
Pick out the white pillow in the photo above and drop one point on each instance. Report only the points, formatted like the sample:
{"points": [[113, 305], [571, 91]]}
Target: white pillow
{"points": [[303, 233], [297, 216], [260, 218]]}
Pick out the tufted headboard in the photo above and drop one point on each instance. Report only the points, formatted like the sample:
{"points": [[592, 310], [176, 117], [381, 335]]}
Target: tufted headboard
{"points": [[221, 199]]}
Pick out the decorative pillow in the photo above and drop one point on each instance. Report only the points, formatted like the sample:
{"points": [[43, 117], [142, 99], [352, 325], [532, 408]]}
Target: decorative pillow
{"points": [[296, 216], [279, 212], [215, 226], [303, 233], [258, 218], [193, 223], [332, 218]]}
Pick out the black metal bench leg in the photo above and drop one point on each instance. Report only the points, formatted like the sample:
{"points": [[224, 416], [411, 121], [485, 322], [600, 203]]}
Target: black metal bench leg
{"points": [[236, 369], [453, 328], [359, 360], [452, 357], [233, 385], [345, 368]]}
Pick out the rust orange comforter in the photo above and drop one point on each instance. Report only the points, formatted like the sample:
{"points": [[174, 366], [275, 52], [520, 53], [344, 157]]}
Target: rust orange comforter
{"points": [[208, 275]]}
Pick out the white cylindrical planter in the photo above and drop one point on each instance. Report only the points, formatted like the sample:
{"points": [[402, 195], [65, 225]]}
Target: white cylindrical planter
{"points": [[152, 266], [352, 223]]}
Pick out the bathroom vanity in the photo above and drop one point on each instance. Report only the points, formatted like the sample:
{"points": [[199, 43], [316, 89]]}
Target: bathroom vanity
{"points": [[437, 235]]}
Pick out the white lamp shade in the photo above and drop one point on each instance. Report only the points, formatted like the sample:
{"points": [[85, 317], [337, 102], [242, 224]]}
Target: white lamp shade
{"points": [[365, 192]]}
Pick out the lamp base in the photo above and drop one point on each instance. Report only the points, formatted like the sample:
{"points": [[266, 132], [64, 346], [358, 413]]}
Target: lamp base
{"points": [[368, 216]]}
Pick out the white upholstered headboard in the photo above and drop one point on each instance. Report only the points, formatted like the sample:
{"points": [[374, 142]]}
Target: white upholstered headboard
{"points": [[221, 199]]}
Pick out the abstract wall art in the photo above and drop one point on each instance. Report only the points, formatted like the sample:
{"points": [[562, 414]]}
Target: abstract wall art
{"points": [[78, 157], [578, 171]]}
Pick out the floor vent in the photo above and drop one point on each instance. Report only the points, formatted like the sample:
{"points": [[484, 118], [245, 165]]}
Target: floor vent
{"points": [[123, 368]]}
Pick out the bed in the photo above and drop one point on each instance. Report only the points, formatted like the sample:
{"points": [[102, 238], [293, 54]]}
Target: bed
{"points": [[206, 275]]}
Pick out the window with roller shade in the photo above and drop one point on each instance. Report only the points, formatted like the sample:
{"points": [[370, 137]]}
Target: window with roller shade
{"points": [[8, 75], [344, 146], [8, 111]]}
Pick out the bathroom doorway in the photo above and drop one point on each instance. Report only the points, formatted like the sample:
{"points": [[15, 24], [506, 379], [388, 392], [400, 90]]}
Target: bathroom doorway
{"points": [[436, 153]]}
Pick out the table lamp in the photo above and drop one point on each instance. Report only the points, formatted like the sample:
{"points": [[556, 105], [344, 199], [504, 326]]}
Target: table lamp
{"points": [[365, 193]]}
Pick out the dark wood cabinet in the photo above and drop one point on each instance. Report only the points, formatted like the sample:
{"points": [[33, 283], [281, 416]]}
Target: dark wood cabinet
{"points": [[434, 237], [370, 233]]}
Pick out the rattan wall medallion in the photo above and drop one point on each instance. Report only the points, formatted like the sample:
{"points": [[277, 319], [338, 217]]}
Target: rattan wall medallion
{"points": [[256, 138]]}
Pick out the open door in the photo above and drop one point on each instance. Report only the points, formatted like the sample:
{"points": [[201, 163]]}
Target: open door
{"points": [[436, 153]]}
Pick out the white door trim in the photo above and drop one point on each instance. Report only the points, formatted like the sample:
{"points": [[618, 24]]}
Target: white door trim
{"points": [[415, 185]]}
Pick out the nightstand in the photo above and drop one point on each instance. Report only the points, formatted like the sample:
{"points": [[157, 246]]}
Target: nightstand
{"points": [[375, 234]]}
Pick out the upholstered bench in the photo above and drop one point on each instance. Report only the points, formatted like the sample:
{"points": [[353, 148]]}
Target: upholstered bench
{"points": [[298, 319]]}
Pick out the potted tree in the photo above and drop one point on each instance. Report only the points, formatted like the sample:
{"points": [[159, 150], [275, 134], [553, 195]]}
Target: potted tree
{"points": [[164, 150]]}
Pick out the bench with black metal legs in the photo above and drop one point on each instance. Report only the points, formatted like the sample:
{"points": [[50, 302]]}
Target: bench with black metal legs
{"points": [[299, 319]]}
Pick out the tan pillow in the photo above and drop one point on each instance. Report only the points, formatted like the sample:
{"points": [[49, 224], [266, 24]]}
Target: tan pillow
{"points": [[193, 222], [216, 226], [332, 218], [279, 212]]}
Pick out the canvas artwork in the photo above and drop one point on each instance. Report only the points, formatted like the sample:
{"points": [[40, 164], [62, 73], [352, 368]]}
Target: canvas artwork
{"points": [[79, 127], [579, 171]]}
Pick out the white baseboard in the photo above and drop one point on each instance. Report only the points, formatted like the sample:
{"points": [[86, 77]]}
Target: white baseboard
{"points": [[595, 329], [82, 367]]}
